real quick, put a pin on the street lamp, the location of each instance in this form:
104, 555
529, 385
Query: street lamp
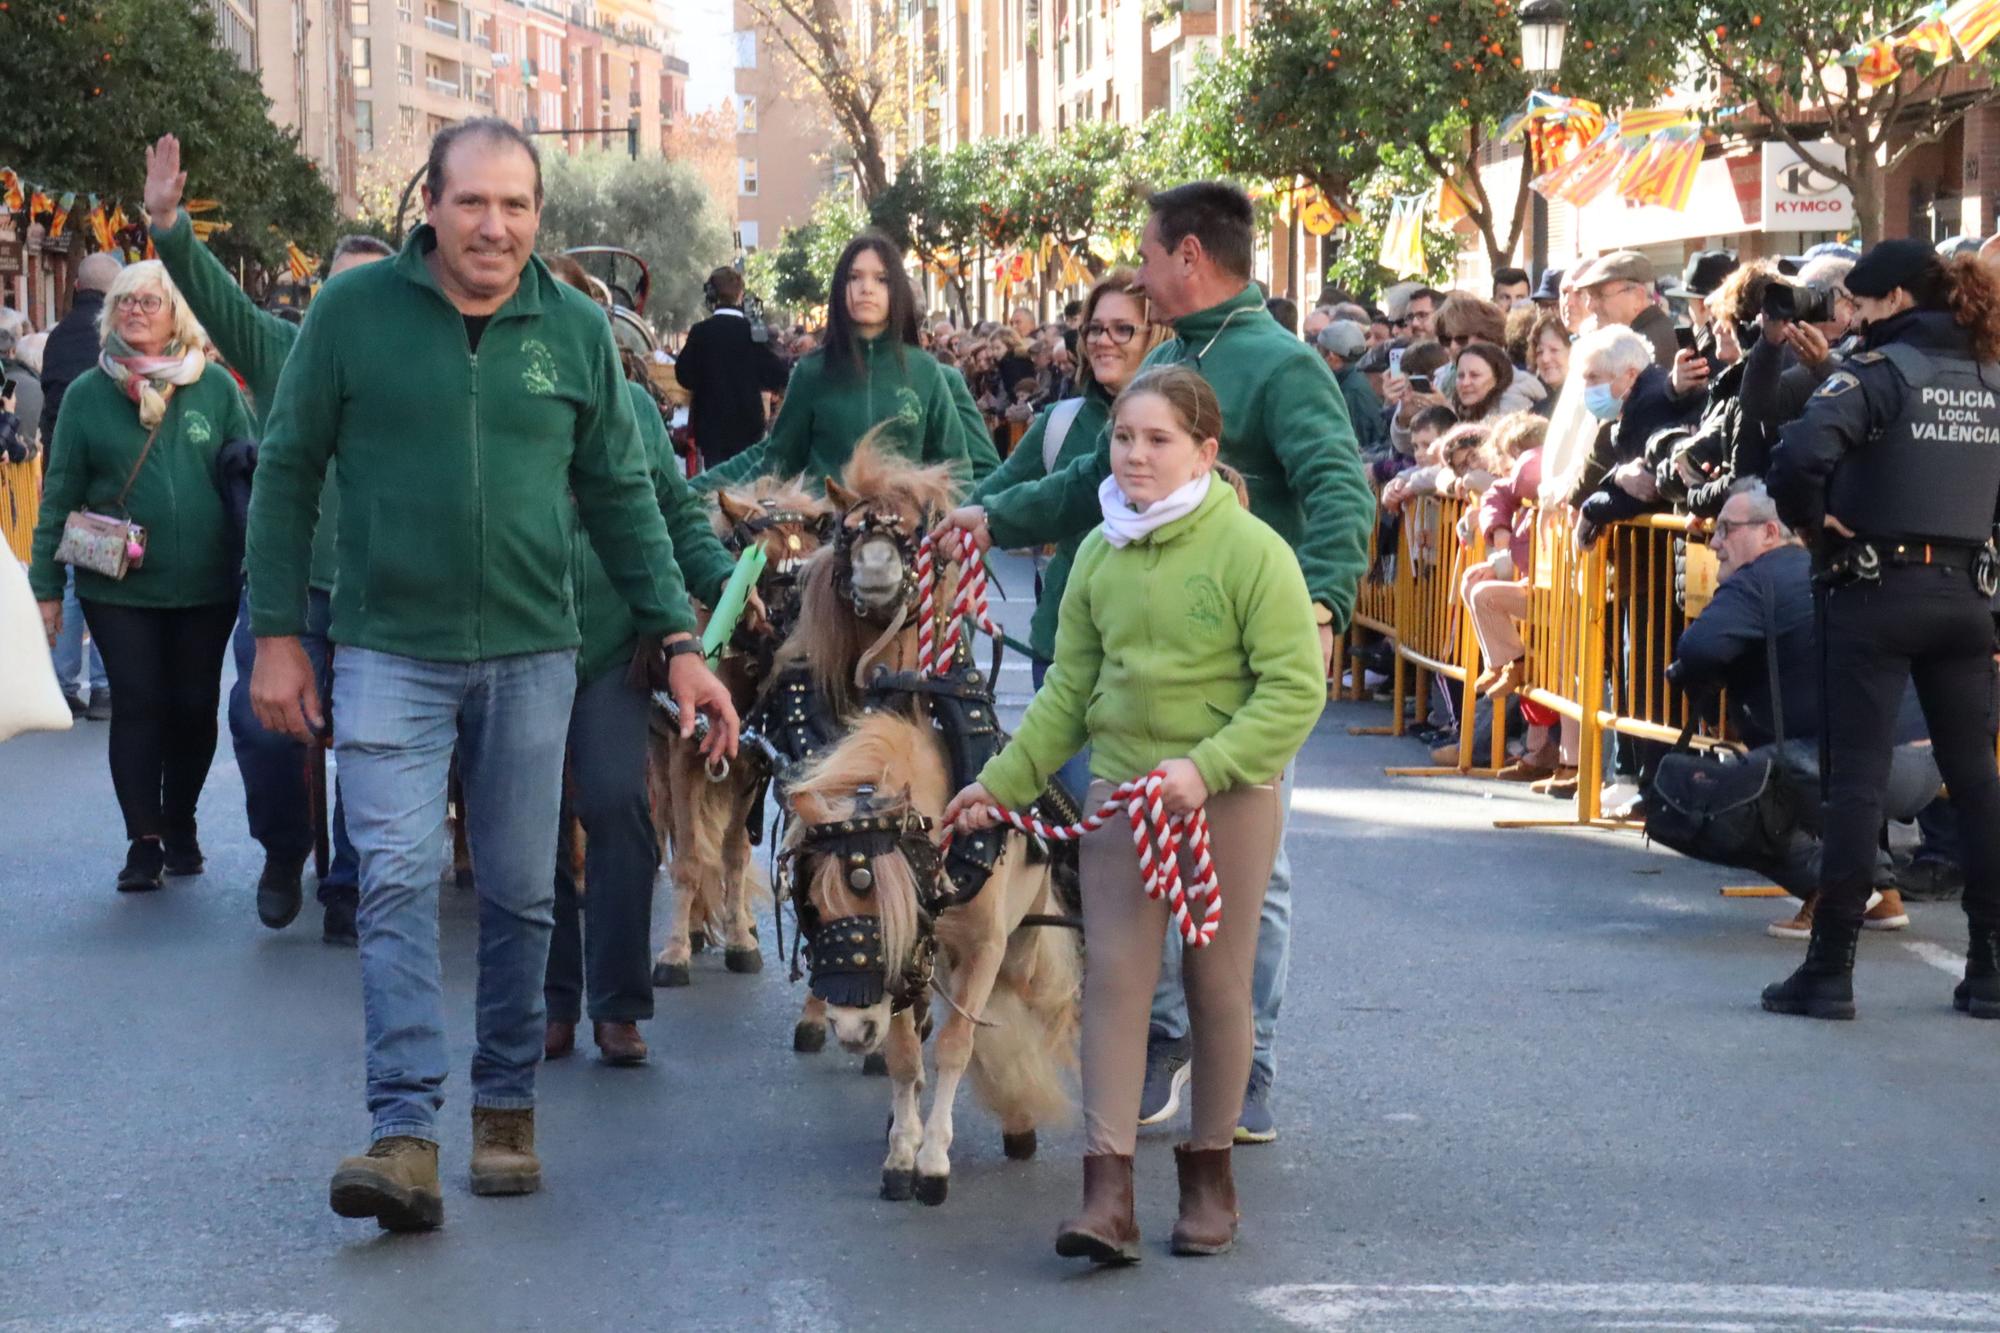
1544, 24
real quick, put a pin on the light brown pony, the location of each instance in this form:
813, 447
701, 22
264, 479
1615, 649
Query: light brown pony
857, 610
717, 885
1013, 995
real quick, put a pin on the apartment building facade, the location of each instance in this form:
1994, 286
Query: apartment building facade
786, 150
300, 51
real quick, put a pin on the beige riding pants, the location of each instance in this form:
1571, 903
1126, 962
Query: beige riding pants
1123, 931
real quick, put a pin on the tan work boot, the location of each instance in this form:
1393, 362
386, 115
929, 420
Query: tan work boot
1106, 1231
1207, 1223
1798, 927
1885, 911
503, 1151
395, 1182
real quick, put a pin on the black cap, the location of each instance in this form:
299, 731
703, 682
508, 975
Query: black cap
1551, 287
1704, 273
1911, 265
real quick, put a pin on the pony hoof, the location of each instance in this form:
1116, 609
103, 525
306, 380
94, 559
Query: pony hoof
931, 1189
876, 1064
1018, 1147
671, 974
809, 1039
898, 1186
748, 959
697, 941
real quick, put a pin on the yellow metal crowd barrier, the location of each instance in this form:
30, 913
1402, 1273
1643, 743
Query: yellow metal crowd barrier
20, 502
1600, 627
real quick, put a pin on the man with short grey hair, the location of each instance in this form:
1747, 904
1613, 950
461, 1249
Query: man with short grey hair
1340, 345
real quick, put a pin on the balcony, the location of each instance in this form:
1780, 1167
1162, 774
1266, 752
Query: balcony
442, 87
445, 26
675, 65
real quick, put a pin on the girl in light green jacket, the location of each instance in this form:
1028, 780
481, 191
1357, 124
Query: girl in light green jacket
1186, 643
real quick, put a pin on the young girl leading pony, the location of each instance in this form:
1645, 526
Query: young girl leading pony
1186, 644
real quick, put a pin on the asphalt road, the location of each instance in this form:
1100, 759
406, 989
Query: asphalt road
1525, 1084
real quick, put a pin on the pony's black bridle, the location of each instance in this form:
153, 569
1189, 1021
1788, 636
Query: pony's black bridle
778, 588
888, 527
844, 955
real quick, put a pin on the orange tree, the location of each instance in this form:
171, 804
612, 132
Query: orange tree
1782, 59
1329, 89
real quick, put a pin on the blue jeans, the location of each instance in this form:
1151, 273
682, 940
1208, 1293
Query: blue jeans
400, 719
69, 646
1075, 774
1274, 958
275, 799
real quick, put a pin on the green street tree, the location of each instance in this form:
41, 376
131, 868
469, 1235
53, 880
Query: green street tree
89, 83
1328, 87
1782, 57
932, 210
658, 209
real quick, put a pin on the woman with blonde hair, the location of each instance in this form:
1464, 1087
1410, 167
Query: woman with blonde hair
137, 440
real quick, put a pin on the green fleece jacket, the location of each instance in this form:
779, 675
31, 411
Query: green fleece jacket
456, 470
254, 342
1364, 410
1195, 641
174, 497
609, 632
1284, 427
828, 408
1025, 464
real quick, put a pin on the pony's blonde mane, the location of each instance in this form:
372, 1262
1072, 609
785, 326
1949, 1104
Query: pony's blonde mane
877, 473
829, 638
883, 749
777, 492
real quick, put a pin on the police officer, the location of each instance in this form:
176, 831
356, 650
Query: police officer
1896, 464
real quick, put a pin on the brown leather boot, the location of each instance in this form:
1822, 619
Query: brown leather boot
619, 1043
503, 1151
1208, 1201
559, 1040
1105, 1232
395, 1182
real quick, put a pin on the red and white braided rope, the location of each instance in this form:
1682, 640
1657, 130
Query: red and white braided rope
934, 654
1157, 837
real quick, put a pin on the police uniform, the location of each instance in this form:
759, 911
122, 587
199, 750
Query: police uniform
1902, 445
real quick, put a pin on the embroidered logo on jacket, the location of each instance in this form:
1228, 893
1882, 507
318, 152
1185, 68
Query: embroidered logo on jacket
1206, 607
197, 428
539, 376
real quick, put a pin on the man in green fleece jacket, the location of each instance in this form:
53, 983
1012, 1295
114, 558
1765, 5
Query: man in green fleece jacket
255, 344
467, 394
1285, 429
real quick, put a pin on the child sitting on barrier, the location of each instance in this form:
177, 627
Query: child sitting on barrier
1186, 646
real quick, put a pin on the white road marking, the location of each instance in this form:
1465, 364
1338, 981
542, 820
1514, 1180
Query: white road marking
803, 1305
1939, 957
1652, 1305
186, 1321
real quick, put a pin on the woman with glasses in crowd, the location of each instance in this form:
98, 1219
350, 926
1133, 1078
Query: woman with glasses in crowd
1114, 338
137, 439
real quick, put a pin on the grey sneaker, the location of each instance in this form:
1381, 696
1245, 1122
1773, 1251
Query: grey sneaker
1255, 1124
1167, 1072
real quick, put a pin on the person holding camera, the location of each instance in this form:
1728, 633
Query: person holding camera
727, 365
1806, 331
1893, 468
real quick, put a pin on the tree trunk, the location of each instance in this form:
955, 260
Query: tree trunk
1870, 202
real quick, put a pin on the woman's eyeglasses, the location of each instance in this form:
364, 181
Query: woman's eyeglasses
150, 303
1119, 333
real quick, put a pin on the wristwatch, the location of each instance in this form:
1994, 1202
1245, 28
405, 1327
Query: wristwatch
1322, 614
680, 648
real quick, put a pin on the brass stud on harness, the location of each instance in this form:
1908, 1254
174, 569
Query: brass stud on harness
861, 880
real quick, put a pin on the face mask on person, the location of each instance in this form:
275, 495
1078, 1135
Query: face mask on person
1600, 402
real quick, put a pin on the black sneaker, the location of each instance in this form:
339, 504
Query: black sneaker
1167, 1073
183, 854
337, 926
278, 891
1255, 1124
99, 707
1930, 879
77, 708
143, 863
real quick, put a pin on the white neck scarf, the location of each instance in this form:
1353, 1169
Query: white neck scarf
1123, 525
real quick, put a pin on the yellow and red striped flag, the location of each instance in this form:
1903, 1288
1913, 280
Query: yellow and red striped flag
1973, 24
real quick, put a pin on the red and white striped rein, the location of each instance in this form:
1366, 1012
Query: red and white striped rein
934, 654
1157, 837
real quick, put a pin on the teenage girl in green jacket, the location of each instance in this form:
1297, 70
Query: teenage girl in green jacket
1186, 644
869, 372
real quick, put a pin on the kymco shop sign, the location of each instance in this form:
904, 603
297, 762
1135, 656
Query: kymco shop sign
1798, 196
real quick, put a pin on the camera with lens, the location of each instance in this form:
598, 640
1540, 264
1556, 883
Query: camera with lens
1799, 302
